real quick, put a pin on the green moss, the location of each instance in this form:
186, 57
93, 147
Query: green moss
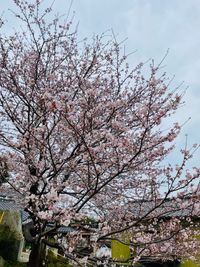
188, 263
57, 261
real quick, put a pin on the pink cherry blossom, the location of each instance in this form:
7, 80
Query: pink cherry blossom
83, 144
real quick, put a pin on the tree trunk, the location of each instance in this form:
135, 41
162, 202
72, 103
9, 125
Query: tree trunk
37, 255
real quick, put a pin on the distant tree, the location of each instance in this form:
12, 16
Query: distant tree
82, 137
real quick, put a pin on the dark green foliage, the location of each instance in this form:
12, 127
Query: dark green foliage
15, 264
9, 243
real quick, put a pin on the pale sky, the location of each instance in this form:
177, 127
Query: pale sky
151, 26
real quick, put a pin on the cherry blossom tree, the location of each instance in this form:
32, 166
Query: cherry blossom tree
82, 137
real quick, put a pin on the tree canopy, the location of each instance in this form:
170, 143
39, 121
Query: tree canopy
81, 137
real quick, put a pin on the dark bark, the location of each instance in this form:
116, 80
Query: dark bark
37, 255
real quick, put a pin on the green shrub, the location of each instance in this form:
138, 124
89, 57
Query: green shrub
9, 243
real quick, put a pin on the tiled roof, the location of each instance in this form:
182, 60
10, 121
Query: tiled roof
25, 217
8, 204
169, 208
62, 229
